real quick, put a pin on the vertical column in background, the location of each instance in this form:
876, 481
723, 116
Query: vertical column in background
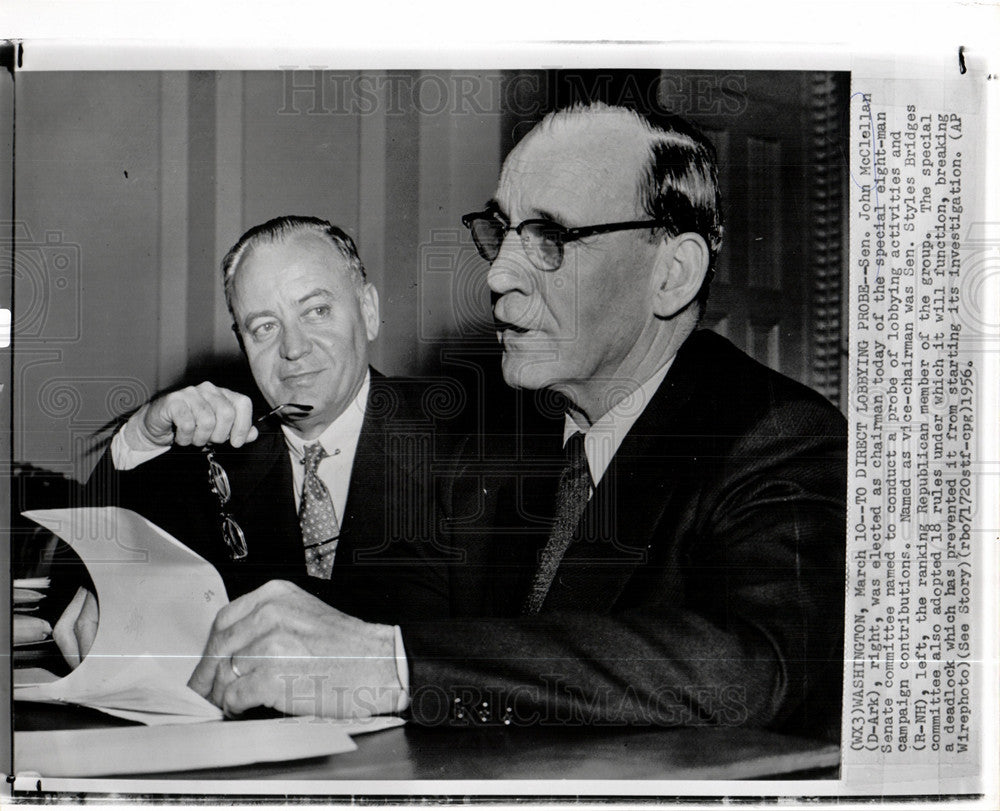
201, 205
174, 131
201, 214
827, 184
228, 194
373, 232
440, 149
460, 120
399, 279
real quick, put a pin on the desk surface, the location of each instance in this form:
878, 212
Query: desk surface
516, 753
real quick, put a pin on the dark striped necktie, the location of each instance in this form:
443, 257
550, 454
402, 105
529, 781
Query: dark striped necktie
571, 500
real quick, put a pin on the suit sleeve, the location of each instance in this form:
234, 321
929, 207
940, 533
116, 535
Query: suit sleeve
754, 637
162, 489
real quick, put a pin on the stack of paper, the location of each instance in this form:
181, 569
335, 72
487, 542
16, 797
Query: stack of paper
157, 602
28, 629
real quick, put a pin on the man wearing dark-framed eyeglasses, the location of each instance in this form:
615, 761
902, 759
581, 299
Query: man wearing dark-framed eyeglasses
675, 554
543, 240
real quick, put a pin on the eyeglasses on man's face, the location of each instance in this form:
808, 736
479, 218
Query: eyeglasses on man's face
543, 240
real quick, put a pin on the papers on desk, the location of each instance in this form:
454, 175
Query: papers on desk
150, 750
28, 591
157, 601
28, 630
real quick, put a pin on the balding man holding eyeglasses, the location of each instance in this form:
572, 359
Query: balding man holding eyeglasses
329, 488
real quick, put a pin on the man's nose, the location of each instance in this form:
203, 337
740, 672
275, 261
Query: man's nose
511, 270
294, 343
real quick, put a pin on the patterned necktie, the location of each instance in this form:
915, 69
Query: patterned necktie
571, 499
317, 518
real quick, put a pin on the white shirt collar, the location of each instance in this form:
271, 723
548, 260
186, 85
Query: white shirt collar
602, 440
341, 434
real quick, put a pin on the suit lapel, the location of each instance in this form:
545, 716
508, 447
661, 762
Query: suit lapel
384, 502
617, 533
252, 464
364, 512
260, 477
502, 502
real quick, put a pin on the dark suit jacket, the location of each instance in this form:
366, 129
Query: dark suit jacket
384, 568
705, 584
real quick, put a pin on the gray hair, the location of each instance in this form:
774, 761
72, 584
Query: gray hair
680, 184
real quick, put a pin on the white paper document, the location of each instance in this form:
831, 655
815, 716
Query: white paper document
157, 600
150, 750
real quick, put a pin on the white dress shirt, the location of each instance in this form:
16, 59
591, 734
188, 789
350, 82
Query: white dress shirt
340, 441
602, 439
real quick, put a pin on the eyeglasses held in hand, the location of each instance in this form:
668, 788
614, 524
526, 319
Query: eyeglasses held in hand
542, 240
232, 533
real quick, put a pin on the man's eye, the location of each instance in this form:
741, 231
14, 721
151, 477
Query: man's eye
319, 311
541, 232
552, 232
262, 331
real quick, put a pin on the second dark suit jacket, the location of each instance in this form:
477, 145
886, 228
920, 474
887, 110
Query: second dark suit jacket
705, 583
384, 567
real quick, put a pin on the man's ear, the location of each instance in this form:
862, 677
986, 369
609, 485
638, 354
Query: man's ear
369, 310
681, 265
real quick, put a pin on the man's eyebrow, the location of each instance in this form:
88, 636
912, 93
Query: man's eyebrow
319, 291
250, 317
544, 214
535, 213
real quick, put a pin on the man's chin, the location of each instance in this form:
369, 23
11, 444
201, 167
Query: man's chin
307, 427
521, 373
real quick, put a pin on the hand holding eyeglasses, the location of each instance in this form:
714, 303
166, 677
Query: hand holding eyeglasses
198, 415
232, 532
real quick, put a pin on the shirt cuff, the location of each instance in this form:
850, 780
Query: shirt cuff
402, 671
129, 448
